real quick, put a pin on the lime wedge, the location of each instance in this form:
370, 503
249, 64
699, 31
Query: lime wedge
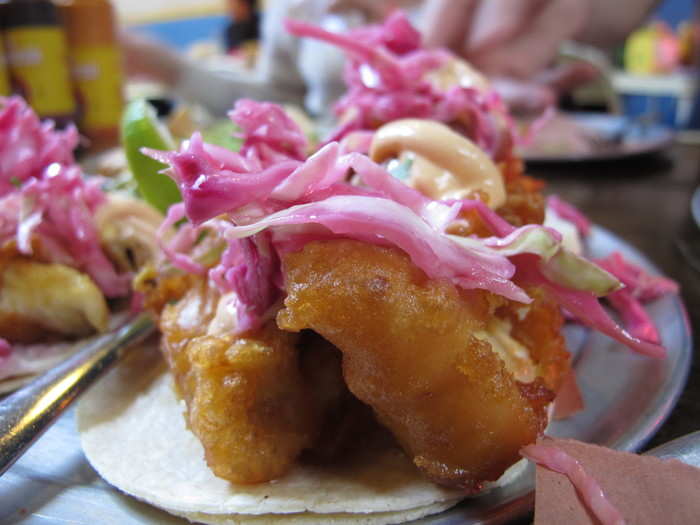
222, 133
140, 128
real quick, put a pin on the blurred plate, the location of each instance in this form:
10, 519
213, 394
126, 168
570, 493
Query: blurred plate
627, 397
608, 138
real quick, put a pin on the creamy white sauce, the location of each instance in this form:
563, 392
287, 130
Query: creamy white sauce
513, 353
570, 235
224, 321
446, 165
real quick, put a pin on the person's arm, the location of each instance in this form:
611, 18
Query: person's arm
611, 22
275, 79
520, 38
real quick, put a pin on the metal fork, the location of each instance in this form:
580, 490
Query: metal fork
26, 414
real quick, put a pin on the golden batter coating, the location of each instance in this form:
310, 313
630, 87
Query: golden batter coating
246, 398
409, 351
348, 426
40, 302
525, 203
540, 330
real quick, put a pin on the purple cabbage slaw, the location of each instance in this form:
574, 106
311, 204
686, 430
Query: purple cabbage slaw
569, 213
640, 287
269, 134
385, 80
264, 211
28, 146
45, 202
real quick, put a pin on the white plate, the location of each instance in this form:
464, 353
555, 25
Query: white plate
627, 398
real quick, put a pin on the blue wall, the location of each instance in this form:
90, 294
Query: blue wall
183, 33
675, 11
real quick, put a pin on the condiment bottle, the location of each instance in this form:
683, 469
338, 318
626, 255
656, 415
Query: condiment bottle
4, 76
96, 68
38, 59
243, 33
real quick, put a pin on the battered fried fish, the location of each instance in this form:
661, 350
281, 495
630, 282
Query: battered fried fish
411, 352
257, 401
348, 425
40, 300
246, 398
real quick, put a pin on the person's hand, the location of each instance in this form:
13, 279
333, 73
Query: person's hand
542, 91
373, 10
147, 58
505, 38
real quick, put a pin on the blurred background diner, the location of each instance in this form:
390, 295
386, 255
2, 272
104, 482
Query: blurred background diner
611, 88
631, 62
633, 58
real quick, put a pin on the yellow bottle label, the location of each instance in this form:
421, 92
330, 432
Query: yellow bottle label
98, 79
4, 78
38, 63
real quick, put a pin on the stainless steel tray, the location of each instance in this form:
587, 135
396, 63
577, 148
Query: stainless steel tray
627, 399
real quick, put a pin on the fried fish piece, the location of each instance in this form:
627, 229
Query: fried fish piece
410, 352
525, 203
128, 232
40, 301
247, 401
348, 425
539, 329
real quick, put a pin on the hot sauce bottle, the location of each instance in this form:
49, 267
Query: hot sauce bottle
96, 68
4, 76
37, 58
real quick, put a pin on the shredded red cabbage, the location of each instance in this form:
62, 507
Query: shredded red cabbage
5, 350
57, 211
269, 134
396, 34
177, 249
282, 207
385, 79
638, 282
584, 307
28, 146
570, 213
384, 221
211, 186
45, 203
640, 287
250, 267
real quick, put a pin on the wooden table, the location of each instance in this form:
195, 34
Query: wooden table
647, 203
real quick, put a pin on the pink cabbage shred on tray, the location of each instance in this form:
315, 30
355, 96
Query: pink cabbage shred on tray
640, 287
556, 459
45, 202
569, 212
265, 209
385, 79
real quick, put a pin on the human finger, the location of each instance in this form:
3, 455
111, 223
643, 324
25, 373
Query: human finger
372, 9
567, 77
533, 50
523, 97
446, 22
497, 21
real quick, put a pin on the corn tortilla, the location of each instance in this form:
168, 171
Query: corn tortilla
133, 432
